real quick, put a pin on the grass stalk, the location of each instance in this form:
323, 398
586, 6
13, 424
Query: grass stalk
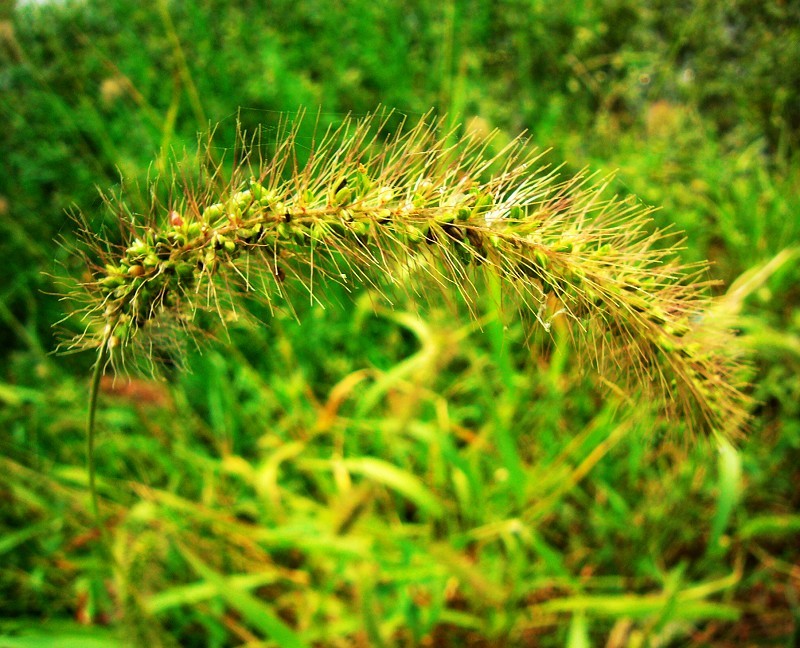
91, 460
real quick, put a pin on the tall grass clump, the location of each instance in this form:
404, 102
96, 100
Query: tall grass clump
413, 208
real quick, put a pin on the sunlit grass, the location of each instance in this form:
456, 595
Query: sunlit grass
414, 475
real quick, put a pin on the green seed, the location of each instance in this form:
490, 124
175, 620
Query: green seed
122, 291
256, 190
483, 203
137, 249
360, 228
111, 281
213, 212
300, 233
284, 230
184, 269
210, 259
242, 199
676, 329
268, 198
563, 246
176, 238
385, 195
592, 297
414, 234
605, 250
363, 183
666, 344
343, 196
318, 231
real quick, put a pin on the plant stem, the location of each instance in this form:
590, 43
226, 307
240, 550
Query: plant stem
94, 392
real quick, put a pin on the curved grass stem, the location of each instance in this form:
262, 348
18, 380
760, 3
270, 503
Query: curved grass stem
91, 426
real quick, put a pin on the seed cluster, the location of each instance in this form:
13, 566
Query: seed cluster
365, 204
170, 261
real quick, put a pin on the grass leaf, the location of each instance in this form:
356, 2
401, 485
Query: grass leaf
255, 611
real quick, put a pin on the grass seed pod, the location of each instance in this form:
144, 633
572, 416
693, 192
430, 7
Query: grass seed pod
362, 205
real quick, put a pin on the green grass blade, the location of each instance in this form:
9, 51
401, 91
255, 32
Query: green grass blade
773, 526
255, 611
57, 634
730, 486
578, 636
403, 482
640, 607
196, 592
12, 540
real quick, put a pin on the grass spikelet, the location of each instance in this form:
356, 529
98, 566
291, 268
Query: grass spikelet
361, 203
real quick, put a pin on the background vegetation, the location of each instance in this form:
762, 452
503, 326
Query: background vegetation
399, 477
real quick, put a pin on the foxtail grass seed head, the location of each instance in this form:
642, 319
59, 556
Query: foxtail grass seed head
367, 204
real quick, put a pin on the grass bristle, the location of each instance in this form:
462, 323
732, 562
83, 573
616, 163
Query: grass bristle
366, 203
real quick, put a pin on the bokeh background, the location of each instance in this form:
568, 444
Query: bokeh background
392, 477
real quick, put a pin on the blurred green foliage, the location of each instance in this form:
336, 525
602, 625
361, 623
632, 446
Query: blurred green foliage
395, 478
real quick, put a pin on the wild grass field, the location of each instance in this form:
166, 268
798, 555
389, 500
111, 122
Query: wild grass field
399, 466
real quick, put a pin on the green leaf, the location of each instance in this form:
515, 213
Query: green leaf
11, 540
638, 607
403, 482
730, 487
56, 634
578, 636
253, 610
195, 592
771, 525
